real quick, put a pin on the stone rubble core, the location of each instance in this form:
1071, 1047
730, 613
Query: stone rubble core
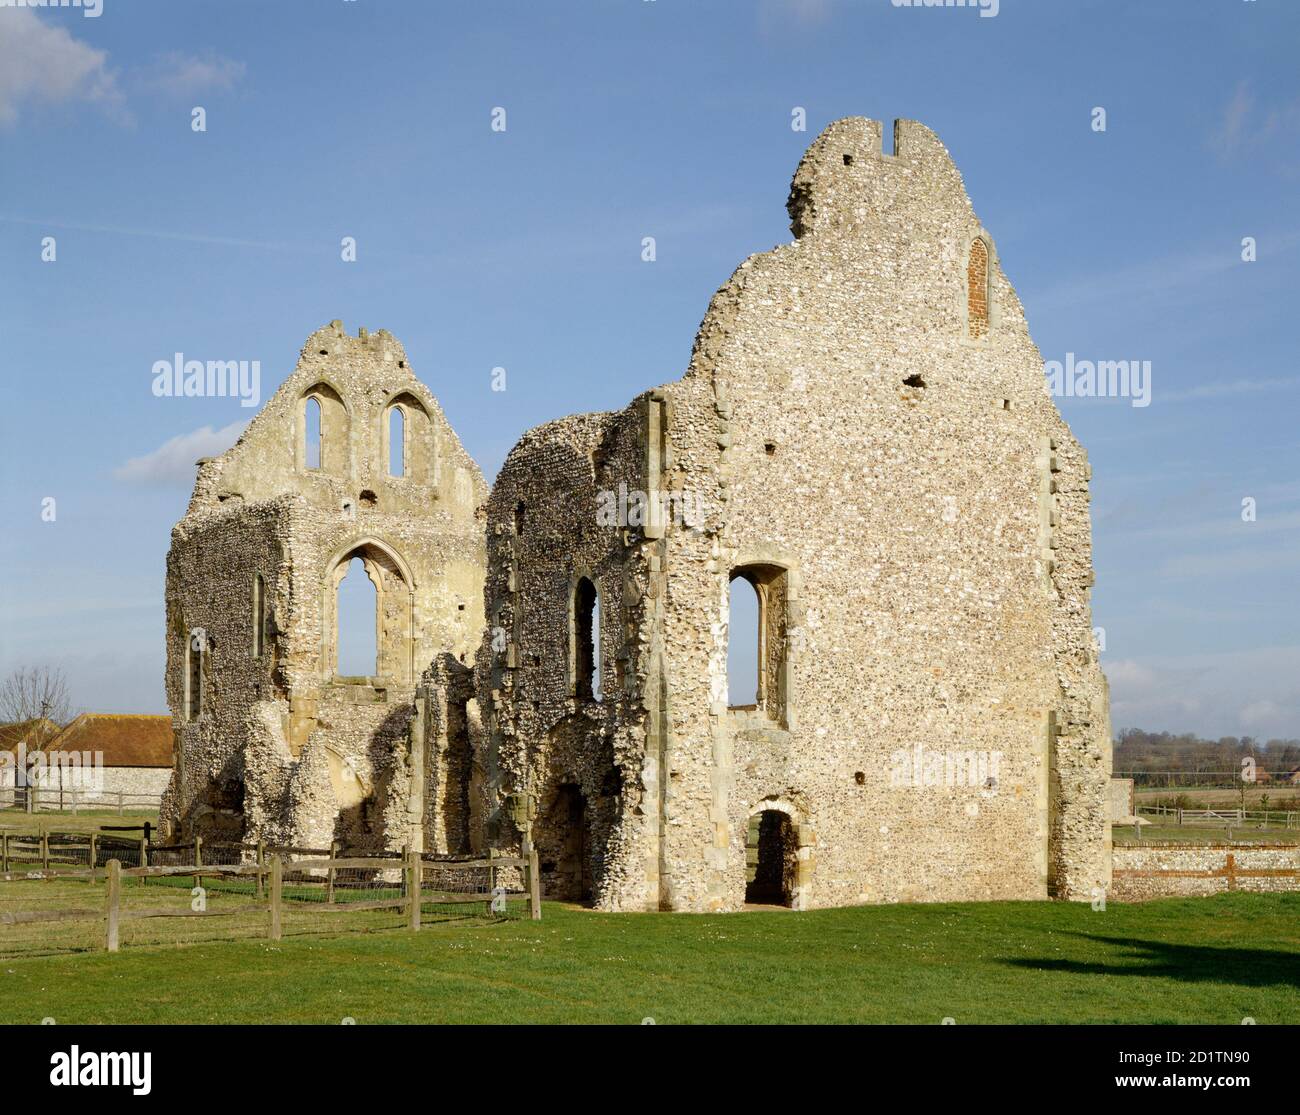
864, 435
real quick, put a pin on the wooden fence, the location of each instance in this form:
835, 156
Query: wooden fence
47, 849
269, 877
1222, 818
34, 799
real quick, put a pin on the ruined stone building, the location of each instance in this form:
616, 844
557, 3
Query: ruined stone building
351, 458
863, 441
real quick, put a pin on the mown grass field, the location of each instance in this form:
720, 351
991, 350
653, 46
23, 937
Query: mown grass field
1213, 960
83, 820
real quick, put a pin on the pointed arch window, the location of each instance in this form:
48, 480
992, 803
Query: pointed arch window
396, 441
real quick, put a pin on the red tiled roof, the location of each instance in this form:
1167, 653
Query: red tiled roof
124, 739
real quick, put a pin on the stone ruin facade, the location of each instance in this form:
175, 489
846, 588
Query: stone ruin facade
271, 742
863, 440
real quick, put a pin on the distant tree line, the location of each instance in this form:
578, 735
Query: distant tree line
1168, 759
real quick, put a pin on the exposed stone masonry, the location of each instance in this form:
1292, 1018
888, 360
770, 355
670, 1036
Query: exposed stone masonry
863, 434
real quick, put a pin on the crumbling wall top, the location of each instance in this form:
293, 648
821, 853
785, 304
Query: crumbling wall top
846, 176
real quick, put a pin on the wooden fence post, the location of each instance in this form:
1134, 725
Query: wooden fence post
45, 849
336, 851
198, 858
277, 882
4, 851
261, 862
406, 855
114, 901
415, 867
93, 843
119, 803
534, 885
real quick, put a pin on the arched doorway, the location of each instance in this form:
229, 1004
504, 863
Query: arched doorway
771, 859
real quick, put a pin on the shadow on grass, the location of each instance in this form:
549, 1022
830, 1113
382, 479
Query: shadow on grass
1188, 963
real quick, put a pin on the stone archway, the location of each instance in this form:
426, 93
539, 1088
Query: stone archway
778, 856
394, 609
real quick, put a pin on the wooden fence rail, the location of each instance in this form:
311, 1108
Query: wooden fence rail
413, 897
1223, 817
34, 799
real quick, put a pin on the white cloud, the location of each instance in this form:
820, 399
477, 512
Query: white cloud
184, 74
777, 15
173, 461
39, 61
1243, 128
1253, 692
1223, 388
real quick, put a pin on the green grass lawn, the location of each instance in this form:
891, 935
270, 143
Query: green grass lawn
84, 820
1213, 960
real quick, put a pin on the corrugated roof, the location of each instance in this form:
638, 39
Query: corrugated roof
124, 739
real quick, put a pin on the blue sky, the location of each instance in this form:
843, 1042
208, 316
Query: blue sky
522, 249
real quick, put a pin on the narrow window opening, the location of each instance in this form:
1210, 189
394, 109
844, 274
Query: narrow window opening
193, 675
769, 448
586, 640
914, 381
848, 160
396, 442
521, 509
756, 647
259, 615
357, 633
313, 443
742, 644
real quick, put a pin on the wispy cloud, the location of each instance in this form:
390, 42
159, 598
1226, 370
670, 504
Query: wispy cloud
179, 74
1160, 278
1229, 387
164, 234
43, 62
1243, 128
775, 16
1230, 692
173, 461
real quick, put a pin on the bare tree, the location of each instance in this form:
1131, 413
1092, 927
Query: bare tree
33, 693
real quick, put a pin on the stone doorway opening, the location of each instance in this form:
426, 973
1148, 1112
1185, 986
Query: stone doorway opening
771, 859
566, 872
